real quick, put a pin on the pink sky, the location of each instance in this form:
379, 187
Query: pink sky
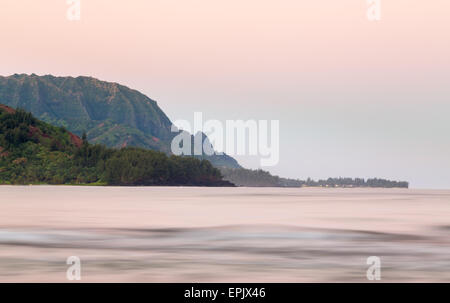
318, 66
225, 39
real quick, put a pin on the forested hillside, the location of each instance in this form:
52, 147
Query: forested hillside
109, 113
34, 152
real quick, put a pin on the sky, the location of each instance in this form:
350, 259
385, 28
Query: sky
355, 98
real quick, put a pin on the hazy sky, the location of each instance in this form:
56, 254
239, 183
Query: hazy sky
354, 98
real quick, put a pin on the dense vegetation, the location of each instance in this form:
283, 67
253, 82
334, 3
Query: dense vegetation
357, 182
261, 178
33, 152
110, 113
256, 178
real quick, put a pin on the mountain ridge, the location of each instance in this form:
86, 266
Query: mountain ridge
109, 113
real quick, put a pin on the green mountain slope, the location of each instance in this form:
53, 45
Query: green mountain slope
32, 151
110, 113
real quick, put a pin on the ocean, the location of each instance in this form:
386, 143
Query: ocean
193, 234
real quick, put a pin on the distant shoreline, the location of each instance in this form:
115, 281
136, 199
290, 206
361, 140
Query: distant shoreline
204, 186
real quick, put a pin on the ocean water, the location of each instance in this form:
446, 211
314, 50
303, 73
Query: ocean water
191, 234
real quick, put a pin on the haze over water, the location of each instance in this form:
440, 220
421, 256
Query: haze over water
156, 234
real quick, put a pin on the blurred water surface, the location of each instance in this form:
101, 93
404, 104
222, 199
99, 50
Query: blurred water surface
165, 234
